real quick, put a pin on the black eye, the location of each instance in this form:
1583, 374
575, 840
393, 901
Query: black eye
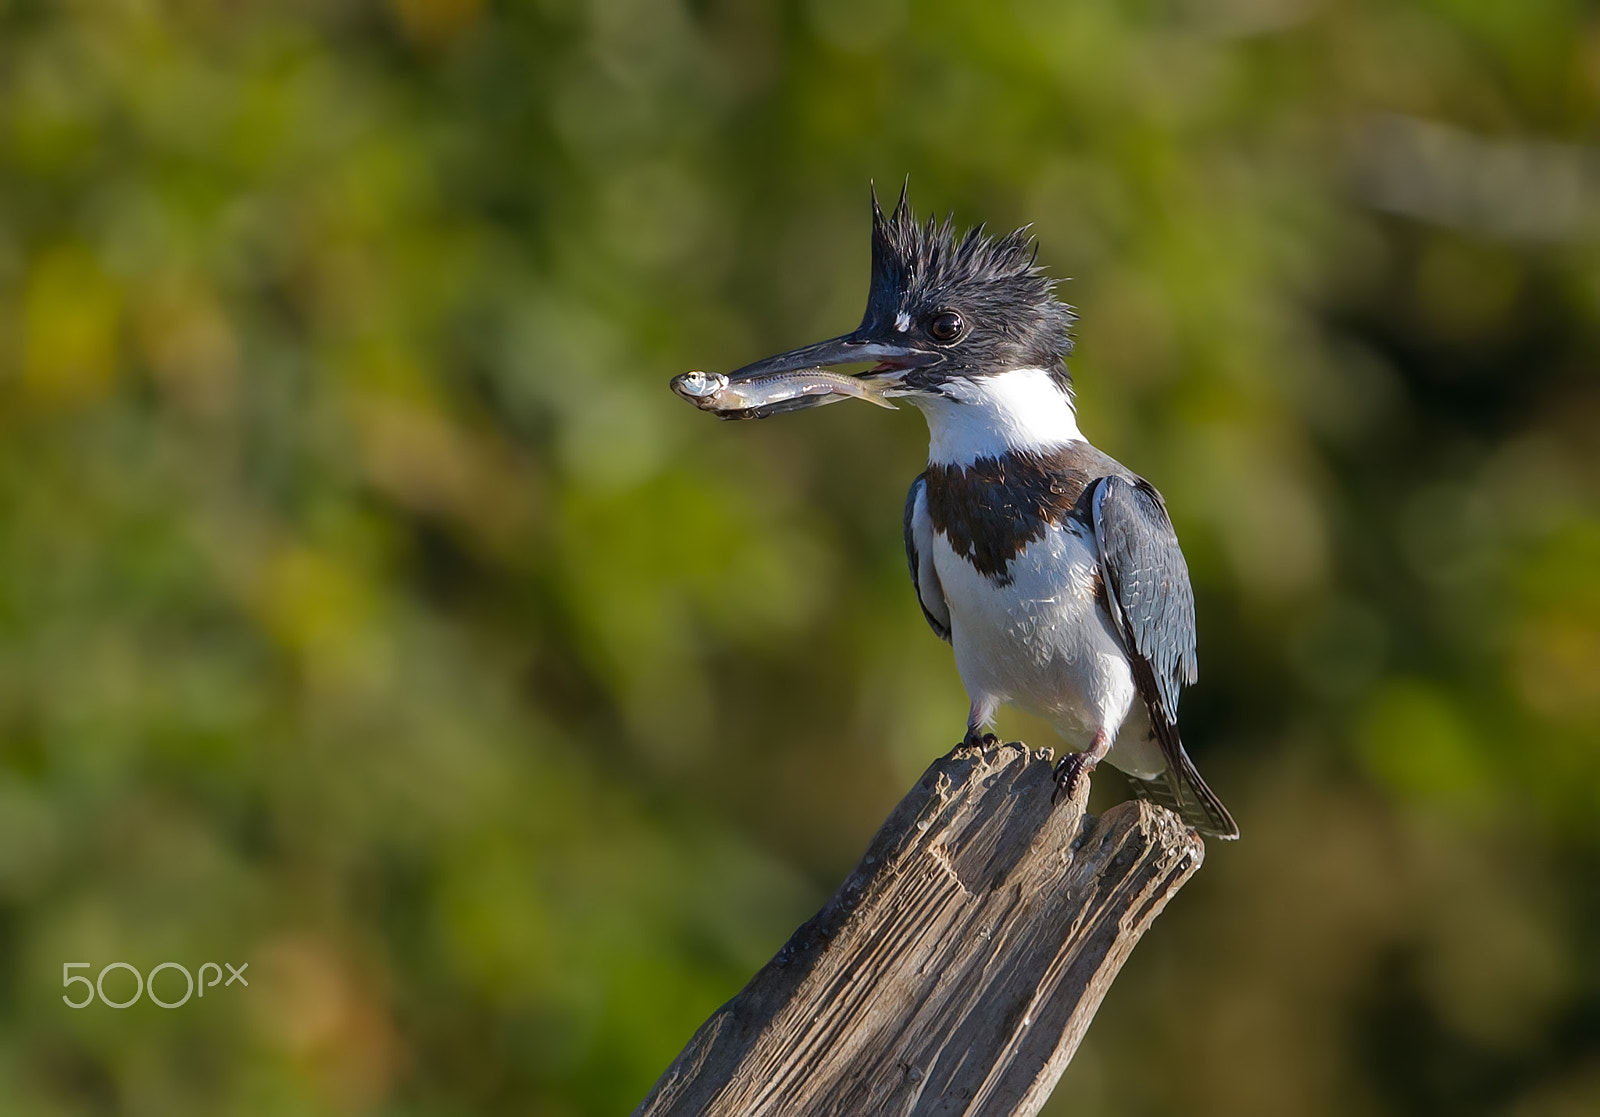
946, 326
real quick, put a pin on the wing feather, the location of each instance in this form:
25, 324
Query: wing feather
919, 557
1150, 596
1152, 605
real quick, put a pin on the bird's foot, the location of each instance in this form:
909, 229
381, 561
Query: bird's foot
1073, 767
976, 740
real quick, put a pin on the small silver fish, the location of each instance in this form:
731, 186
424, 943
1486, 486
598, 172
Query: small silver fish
776, 392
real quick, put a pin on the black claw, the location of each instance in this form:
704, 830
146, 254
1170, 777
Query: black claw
975, 740
1073, 767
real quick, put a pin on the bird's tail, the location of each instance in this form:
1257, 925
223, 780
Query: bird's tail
1183, 790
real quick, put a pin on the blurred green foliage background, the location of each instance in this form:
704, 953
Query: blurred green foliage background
371, 613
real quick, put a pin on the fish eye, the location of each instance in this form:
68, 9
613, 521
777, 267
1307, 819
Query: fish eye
946, 326
697, 383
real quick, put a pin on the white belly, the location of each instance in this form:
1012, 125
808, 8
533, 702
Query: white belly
1045, 644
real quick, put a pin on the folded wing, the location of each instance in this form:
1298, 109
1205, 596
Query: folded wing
1152, 605
919, 556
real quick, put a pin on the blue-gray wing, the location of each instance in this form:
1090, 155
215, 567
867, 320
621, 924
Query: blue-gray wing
919, 556
1152, 605
1147, 584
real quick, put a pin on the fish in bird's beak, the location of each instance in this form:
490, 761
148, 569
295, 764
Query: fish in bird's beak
892, 360
772, 393
802, 378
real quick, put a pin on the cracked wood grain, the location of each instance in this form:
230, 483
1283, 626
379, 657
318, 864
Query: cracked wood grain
958, 966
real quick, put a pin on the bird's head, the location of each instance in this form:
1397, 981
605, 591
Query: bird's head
945, 310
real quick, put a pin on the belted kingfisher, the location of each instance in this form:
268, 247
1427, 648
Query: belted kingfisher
1052, 570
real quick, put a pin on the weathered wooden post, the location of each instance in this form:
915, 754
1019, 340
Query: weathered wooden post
959, 965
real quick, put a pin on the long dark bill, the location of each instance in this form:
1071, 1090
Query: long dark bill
849, 349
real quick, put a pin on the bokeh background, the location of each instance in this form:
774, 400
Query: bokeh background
371, 613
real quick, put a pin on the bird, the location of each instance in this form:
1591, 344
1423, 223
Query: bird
1052, 570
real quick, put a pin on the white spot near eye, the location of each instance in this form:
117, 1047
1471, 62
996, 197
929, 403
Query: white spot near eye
902, 321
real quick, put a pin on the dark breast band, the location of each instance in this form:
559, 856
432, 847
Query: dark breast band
991, 510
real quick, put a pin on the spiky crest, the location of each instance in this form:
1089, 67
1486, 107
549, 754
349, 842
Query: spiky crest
916, 267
